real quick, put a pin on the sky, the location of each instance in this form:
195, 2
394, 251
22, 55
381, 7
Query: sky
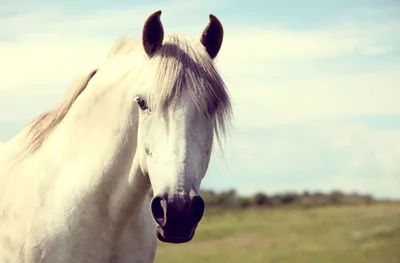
315, 85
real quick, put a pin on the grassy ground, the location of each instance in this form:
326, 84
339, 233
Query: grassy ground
346, 234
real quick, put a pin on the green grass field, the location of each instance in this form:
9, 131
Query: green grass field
341, 234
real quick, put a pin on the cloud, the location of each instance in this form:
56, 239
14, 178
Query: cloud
282, 44
70, 43
303, 75
309, 96
323, 156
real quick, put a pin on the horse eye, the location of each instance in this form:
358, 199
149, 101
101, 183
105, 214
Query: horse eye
142, 104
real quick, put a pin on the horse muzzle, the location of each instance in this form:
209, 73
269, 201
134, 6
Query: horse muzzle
177, 218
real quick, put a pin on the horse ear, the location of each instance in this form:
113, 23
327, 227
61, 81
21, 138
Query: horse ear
212, 36
153, 33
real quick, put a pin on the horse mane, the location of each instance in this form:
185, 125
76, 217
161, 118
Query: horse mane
179, 63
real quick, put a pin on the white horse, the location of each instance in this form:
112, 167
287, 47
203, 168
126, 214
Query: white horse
74, 184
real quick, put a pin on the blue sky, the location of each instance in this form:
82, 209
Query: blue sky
314, 84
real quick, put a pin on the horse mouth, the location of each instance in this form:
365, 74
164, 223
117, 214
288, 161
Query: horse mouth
173, 240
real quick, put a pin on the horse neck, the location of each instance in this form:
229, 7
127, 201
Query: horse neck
94, 149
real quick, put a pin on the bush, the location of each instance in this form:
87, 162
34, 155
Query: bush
261, 199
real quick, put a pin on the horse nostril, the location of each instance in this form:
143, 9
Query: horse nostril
158, 211
197, 208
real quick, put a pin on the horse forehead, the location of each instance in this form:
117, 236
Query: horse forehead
184, 106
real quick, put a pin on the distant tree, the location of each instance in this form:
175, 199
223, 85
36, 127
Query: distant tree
336, 197
227, 199
368, 199
230, 199
276, 200
260, 199
289, 198
244, 202
210, 198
